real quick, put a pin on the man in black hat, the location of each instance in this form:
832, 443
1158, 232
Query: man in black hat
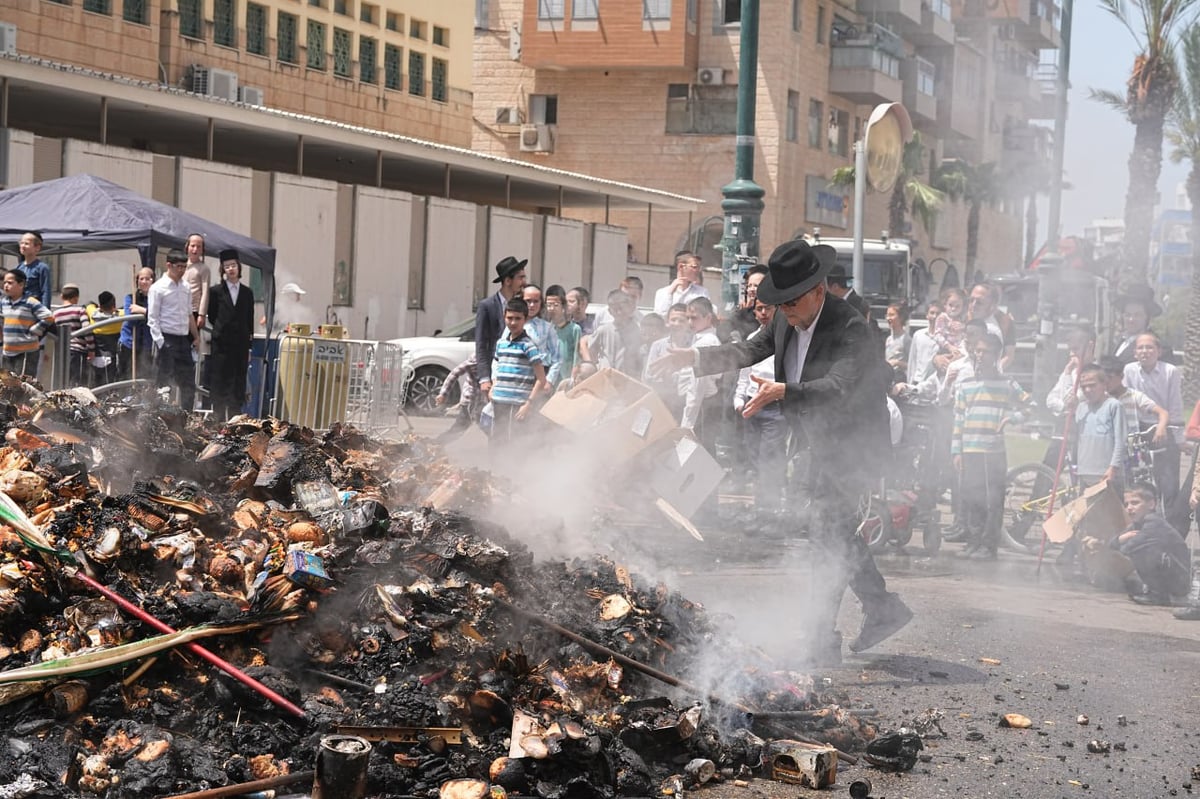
839, 286
231, 314
831, 382
489, 317
1136, 308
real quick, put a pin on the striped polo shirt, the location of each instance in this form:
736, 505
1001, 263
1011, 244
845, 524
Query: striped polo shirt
25, 320
980, 405
512, 369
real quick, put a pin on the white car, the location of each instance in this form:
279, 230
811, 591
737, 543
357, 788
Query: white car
433, 357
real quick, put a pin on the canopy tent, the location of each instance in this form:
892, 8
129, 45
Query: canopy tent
84, 213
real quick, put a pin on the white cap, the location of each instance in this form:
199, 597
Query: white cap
292, 288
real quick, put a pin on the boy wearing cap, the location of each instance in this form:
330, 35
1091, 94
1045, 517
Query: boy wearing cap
231, 315
173, 329
69, 317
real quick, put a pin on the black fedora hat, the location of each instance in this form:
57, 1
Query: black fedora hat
1142, 294
795, 268
508, 267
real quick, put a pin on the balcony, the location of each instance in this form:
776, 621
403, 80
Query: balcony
960, 94
903, 15
1047, 82
585, 34
1015, 78
1026, 147
937, 26
1041, 26
920, 99
864, 65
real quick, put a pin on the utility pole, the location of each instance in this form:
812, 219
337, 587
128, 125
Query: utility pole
742, 203
1063, 82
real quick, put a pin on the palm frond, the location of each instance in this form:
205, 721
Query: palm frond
1114, 100
1116, 9
925, 202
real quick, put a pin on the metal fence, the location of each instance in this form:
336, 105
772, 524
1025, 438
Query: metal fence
320, 381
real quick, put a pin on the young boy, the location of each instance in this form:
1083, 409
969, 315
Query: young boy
983, 407
1099, 432
68, 318
1159, 554
518, 375
569, 335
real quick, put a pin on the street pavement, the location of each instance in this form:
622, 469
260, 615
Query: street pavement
989, 638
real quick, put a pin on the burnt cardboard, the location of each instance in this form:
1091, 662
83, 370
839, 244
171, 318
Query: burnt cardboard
613, 415
1099, 512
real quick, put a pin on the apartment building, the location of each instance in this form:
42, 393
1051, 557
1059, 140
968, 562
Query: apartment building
646, 90
402, 66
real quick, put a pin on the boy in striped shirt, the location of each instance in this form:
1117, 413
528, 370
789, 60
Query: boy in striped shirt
518, 374
26, 321
69, 317
983, 406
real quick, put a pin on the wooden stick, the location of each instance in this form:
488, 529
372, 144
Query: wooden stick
248, 787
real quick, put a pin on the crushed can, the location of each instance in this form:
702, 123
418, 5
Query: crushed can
306, 569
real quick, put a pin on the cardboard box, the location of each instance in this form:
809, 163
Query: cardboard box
683, 472
1099, 512
804, 764
615, 416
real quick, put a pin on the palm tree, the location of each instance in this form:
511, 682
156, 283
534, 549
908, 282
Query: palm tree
974, 185
1183, 134
909, 193
1149, 95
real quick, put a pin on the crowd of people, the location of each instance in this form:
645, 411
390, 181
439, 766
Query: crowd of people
1124, 406
162, 344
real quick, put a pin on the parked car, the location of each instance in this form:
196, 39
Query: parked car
433, 357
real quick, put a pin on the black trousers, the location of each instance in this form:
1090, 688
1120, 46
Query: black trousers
227, 366
24, 364
176, 368
983, 476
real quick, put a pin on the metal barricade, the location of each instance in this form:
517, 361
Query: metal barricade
322, 381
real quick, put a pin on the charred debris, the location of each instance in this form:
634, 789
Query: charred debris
343, 604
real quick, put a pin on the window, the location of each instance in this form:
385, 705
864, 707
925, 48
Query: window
416, 29
543, 109
926, 77
816, 118
796, 14
368, 13
792, 130
135, 11
341, 53
395, 22
191, 21
224, 23
441, 36
317, 3
693, 10
481, 15
838, 132
550, 9
285, 37
367, 48
701, 110
439, 71
391, 67
97, 6
314, 44
820, 24
732, 12
256, 29
342, 7
416, 73
656, 9
585, 9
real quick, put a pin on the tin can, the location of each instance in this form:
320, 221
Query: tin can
860, 788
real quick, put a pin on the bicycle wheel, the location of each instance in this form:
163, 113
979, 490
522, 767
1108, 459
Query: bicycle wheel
1023, 485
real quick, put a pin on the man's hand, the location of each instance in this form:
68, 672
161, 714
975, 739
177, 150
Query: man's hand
676, 358
1072, 364
486, 388
679, 284
440, 400
200, 320
940, 362
768, 391
523, 411
1160, 434
1110, 474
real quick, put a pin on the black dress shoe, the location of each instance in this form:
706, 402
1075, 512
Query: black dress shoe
882, 624
983, 553
1191, 613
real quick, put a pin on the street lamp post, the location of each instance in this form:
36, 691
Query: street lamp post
742, 203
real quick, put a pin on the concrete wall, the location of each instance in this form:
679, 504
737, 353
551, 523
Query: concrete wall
19, 158
417, 264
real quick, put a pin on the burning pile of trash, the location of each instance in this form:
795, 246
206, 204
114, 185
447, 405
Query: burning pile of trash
185, 606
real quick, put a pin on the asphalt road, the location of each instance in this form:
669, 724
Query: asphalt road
1054, 651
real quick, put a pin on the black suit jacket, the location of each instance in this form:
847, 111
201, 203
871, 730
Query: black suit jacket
839, 402
489, 326
859, 304
232, 324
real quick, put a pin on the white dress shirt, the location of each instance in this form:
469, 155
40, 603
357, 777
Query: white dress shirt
233, 287
168, 309
698, 388
764, 369
797, 349
664, 298
1161, 384
920, 356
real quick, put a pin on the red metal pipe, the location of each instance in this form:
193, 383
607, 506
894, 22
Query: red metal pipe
220, 663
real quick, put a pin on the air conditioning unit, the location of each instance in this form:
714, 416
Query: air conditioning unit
710, 76
508, 115
538, 138
8, 38
251, 95
215, 83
